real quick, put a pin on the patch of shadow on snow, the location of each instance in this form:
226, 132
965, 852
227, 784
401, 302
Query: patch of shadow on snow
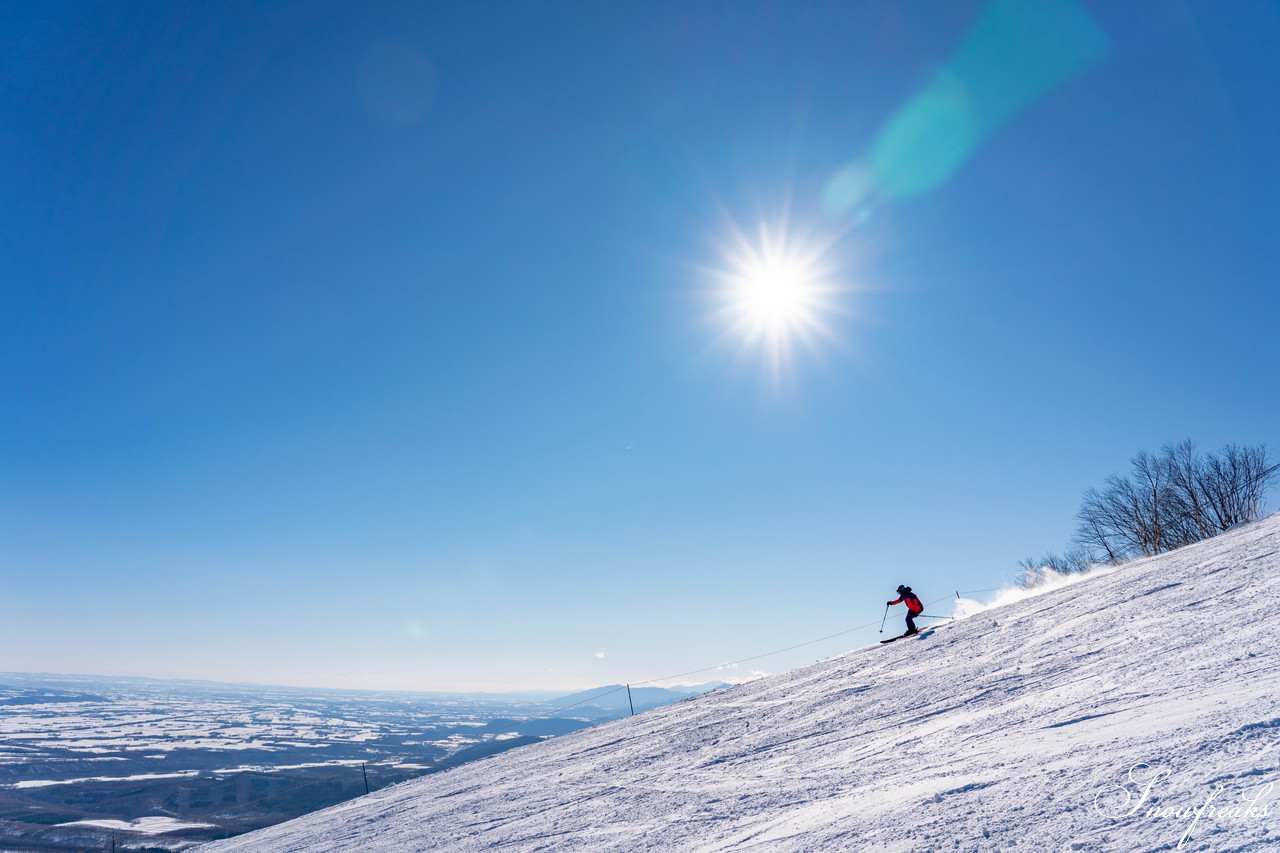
1158, 589
972, 786
1253, 771
1262, 724
1250, 740
460, 791
1079, 720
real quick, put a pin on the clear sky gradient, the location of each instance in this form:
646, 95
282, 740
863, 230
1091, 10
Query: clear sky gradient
382, 345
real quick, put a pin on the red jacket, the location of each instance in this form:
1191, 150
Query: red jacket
913, 603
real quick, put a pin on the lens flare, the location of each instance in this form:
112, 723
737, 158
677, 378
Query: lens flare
775, 292
1016, 53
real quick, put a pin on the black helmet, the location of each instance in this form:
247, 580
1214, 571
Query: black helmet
902, 588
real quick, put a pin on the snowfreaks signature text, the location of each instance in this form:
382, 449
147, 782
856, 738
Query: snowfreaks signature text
1126, 800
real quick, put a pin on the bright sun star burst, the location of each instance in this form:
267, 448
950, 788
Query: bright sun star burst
774, 292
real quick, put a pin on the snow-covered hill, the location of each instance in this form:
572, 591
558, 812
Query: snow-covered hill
1023, 727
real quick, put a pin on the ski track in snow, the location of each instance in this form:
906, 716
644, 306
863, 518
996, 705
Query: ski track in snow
995, 732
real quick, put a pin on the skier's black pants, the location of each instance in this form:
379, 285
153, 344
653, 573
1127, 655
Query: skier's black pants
911, 620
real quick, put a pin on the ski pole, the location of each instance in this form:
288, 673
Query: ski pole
886, 616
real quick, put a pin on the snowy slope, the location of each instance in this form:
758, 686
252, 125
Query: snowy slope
995, 732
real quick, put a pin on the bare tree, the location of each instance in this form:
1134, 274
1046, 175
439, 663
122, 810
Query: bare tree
1187, 478
1130, 516
1166, 501
1173, 499
1097, 532
1236, 482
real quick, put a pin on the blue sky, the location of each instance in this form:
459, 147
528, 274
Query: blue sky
379, 344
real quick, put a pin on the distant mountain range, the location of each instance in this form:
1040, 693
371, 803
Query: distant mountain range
613, 697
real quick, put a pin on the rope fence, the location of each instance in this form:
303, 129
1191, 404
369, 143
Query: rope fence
514, 723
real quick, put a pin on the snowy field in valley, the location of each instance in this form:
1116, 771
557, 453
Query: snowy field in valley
1057, 722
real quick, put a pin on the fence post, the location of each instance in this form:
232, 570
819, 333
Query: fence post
365, 773
629, 702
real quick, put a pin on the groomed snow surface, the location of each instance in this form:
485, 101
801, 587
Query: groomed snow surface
1023, 727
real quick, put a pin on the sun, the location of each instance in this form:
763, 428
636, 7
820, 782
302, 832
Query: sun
776, 290
776, 294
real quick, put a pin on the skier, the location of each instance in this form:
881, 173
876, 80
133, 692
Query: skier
914, 607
